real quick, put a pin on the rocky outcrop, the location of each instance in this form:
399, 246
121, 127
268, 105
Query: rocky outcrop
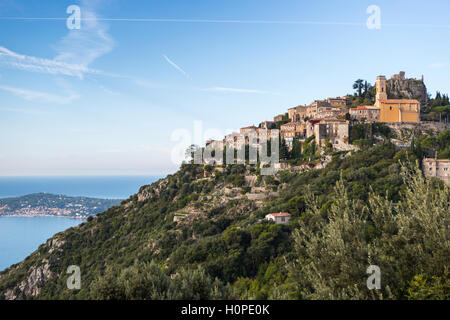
153, 190
405, 132
55, 244
402, 130
37, 277
398, 87
251, 180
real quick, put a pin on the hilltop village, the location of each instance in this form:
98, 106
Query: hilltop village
397, 104
330, 119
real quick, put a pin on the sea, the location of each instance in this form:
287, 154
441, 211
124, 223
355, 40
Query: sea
20, 236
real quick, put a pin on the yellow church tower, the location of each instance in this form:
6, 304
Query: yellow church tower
381, 89
395, 110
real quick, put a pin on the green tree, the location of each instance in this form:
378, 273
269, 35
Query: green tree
335, 249
358, 85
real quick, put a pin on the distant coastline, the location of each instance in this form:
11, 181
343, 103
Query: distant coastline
101, 187
42, 216
52, 205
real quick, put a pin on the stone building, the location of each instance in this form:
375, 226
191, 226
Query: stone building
324, 110
297, 114
334, 131
279, 218
338, 102
278, 118
310, 126
365, 113
317, 107
248, 129
292, 130
237, 140
439, 168
261, 132
215, 144
331, 108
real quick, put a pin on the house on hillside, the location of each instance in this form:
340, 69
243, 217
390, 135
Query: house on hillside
279, 218
338, 102
439, 168
365, 113
248, 129
334, 131
291, 130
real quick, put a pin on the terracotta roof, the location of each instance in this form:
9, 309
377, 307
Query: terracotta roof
399, 101
281, 214
249, 127
365, 108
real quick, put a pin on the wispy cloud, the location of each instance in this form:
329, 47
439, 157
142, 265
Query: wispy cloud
173, 64
22, 110
238, 90
87, 44
37, 96
42, 65
75, 52
147, 84
109, 91
439, 65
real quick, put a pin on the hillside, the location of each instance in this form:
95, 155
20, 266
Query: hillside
200, 233
39, 204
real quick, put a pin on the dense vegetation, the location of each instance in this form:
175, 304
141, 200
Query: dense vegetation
437, 109
363, 208
364, 95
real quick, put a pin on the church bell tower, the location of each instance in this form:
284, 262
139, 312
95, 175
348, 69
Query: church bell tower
381, 88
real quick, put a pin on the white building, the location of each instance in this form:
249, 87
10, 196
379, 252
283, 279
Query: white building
279, 218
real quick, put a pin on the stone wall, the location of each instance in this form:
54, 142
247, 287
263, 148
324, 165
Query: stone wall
405, 131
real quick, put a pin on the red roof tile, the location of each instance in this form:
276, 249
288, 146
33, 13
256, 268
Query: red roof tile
393, 101
281, 214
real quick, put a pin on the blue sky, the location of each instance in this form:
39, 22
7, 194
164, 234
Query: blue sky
106, 99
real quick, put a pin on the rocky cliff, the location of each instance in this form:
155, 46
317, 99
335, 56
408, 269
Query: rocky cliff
398, 87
